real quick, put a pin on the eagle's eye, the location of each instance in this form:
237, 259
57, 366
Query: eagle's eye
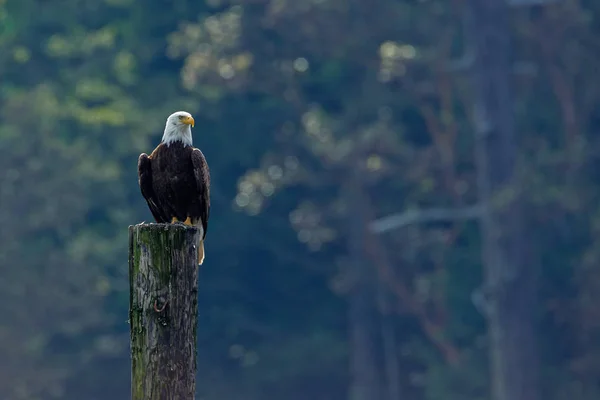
181, 116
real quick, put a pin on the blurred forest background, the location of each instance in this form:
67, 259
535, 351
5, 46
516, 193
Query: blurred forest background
405, 202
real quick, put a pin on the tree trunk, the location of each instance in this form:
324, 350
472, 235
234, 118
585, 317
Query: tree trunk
510, 282
390, 349
362, 314
163, 311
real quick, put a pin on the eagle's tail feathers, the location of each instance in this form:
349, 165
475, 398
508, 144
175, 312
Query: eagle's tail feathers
201, 252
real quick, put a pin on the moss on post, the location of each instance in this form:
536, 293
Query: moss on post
163, 310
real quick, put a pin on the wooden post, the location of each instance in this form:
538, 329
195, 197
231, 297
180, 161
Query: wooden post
163, 311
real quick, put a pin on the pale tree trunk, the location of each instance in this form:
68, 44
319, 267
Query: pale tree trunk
510, 280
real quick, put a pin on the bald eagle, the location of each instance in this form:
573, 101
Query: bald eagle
174, 179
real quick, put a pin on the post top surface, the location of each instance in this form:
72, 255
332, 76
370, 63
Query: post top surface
165, 227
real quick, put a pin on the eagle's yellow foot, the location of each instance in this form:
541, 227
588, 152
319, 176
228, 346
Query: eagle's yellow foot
188, 221
175, 221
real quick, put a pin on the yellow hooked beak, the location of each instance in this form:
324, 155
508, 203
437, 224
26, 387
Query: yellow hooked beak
188, 121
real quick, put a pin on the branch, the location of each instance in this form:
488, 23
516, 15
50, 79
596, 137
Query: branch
397, 221
433, 329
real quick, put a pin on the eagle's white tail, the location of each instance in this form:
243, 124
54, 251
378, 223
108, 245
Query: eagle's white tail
201, 252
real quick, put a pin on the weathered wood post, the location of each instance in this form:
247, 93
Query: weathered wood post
163, 311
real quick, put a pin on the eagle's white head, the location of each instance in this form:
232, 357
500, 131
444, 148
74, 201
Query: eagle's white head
179, 128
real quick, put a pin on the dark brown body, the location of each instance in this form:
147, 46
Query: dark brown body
175, 182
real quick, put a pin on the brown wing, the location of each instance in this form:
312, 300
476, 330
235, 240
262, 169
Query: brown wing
202, 175
145, 182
